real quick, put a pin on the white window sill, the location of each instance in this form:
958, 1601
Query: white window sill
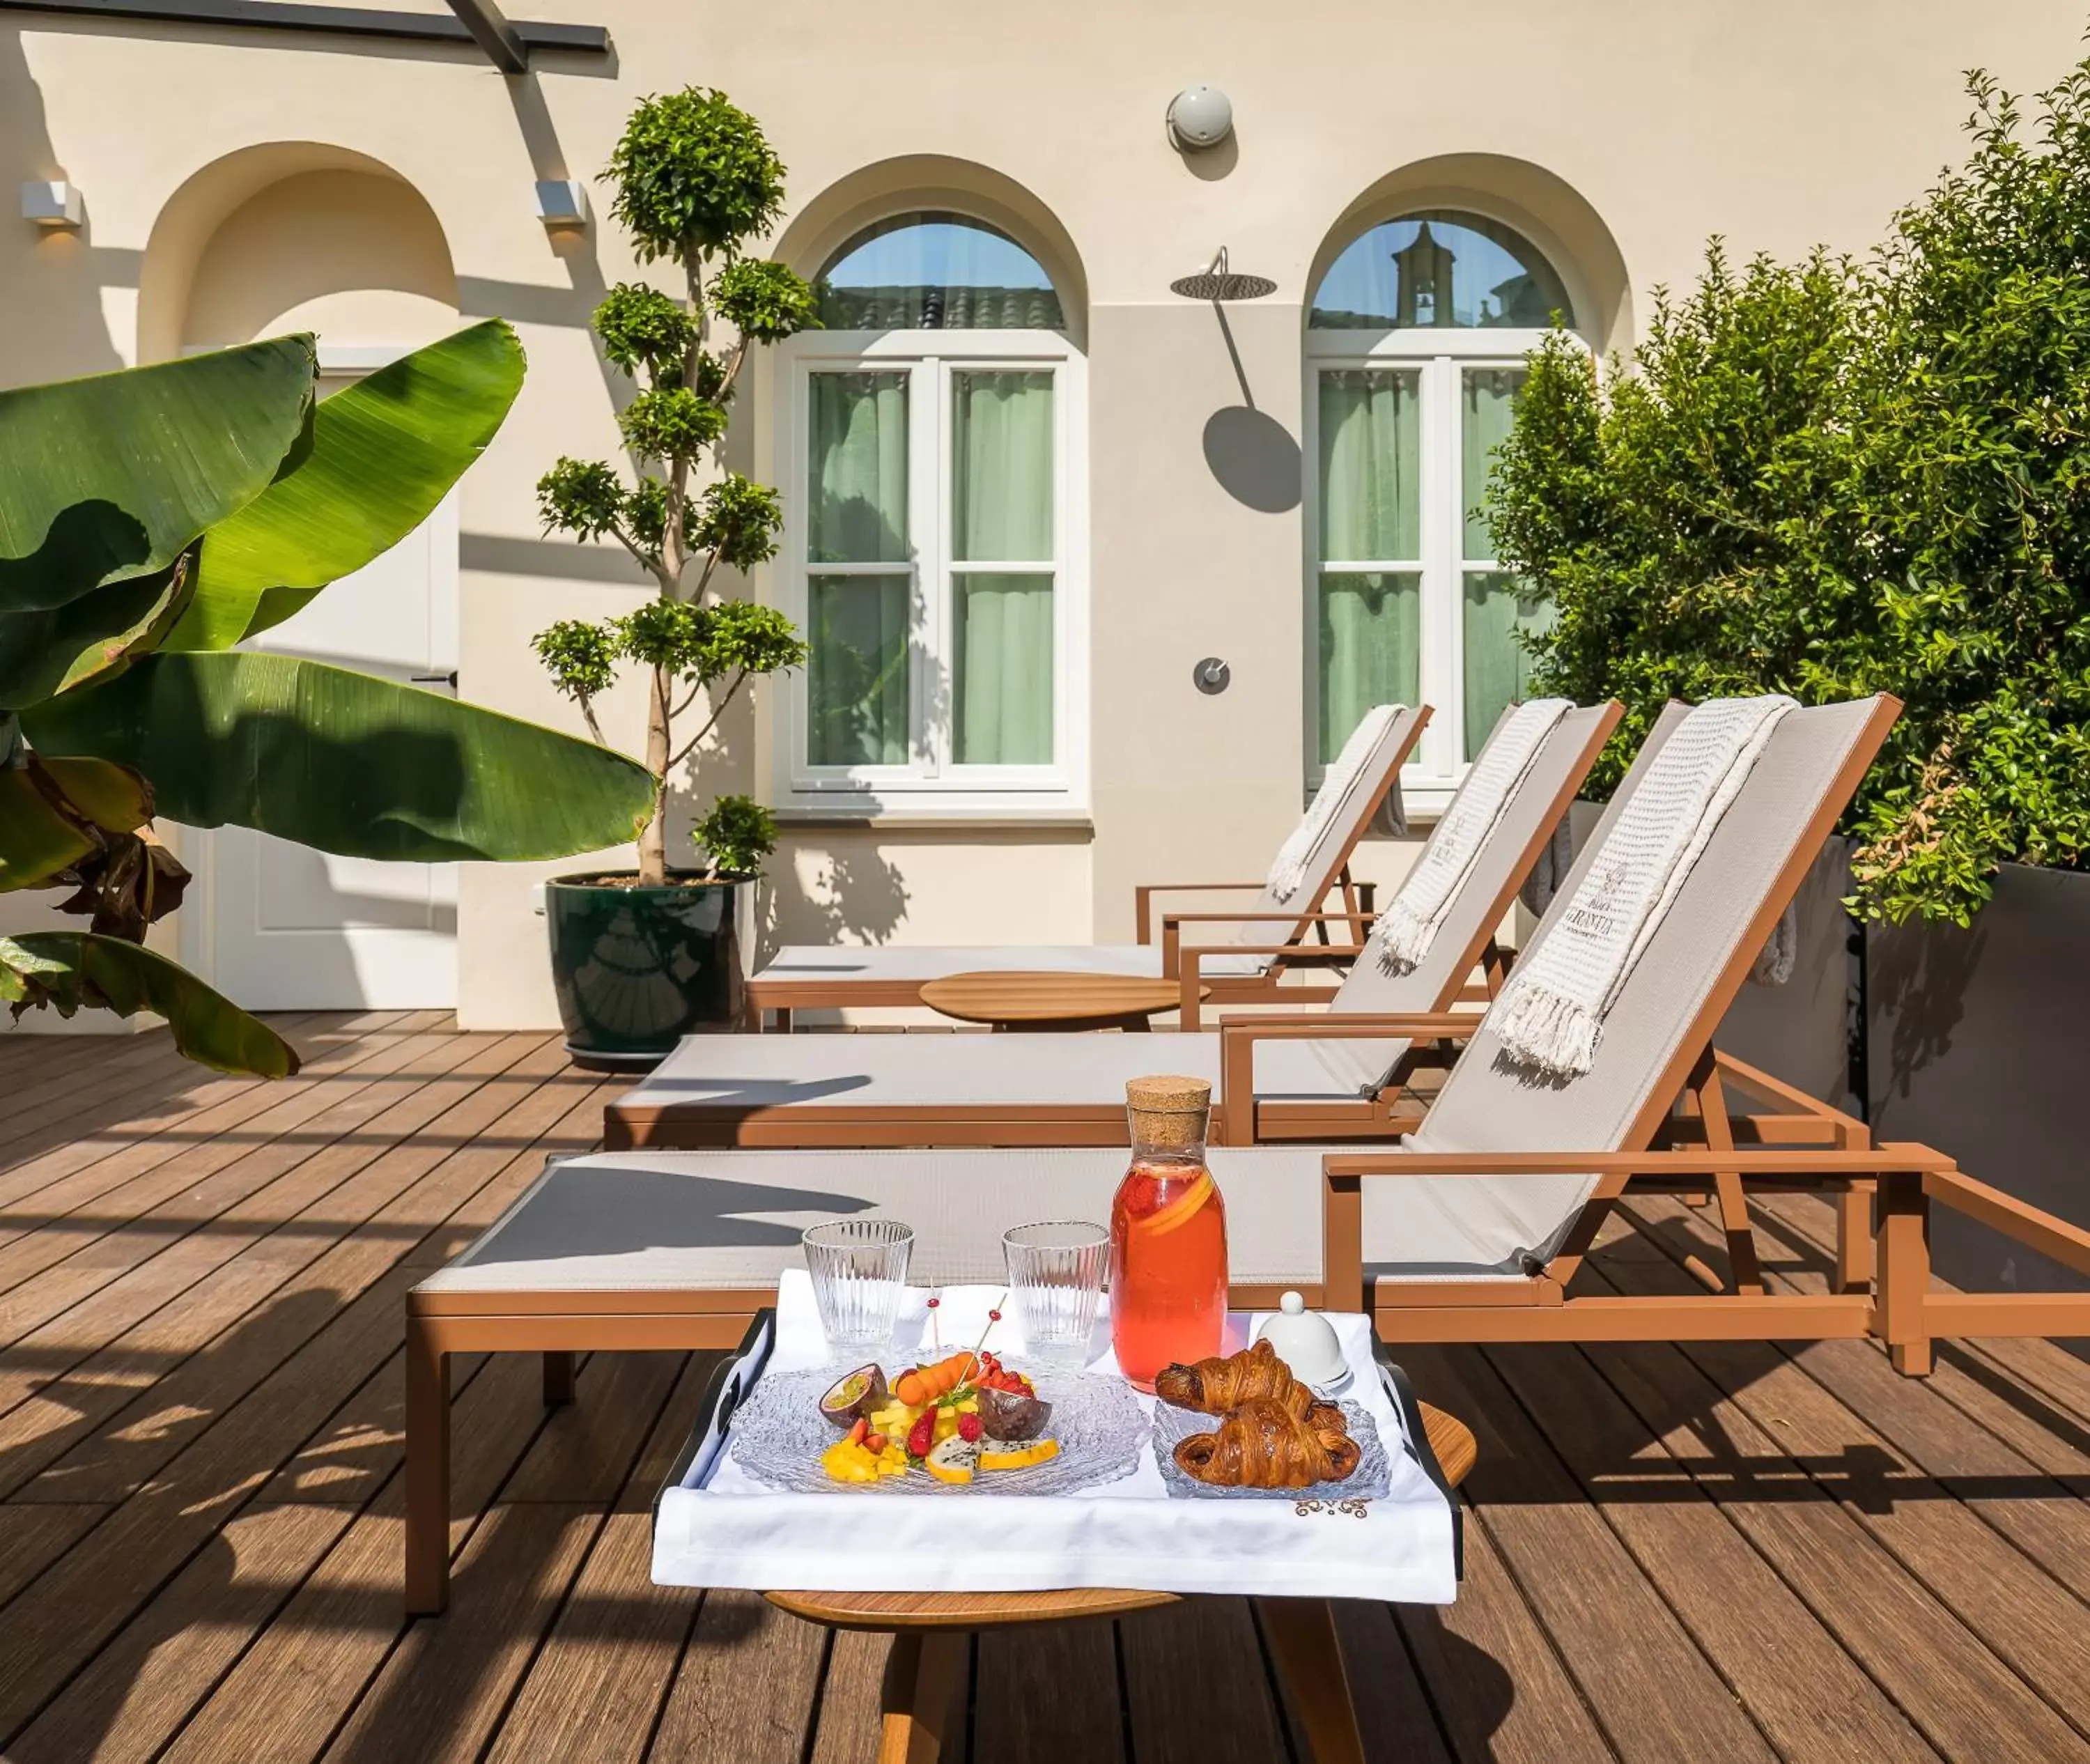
799, 817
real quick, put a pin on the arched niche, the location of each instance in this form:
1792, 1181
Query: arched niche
935, 184
1522, 198
292, 236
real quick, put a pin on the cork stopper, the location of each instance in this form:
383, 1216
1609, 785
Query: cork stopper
1168, 1110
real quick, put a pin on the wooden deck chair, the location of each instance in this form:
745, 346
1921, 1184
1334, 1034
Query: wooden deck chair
1272, 932
1064, 1090
1474, 1227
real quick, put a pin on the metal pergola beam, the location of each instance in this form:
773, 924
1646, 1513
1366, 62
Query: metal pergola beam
506, 44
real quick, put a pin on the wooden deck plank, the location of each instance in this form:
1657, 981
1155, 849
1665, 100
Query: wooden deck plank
1653, 1690
1040, 1693
1808, 1697
750, 1672
131, 1402
1197, 1689
32, 1536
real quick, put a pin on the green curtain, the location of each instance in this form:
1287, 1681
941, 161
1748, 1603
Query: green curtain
1371, 647
1001, 492
857, 469
1497, 610
1370, 511
1486, 410
856, 677
857, 493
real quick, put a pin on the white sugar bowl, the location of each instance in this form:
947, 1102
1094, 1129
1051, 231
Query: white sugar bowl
1306, 1341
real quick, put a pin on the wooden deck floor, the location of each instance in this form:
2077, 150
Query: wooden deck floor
1731, 1552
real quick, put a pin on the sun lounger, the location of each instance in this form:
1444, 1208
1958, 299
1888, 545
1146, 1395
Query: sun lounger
814, 976
1041, 1089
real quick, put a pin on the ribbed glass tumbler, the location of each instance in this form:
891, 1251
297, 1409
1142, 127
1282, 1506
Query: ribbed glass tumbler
859, 1270
1055, 1273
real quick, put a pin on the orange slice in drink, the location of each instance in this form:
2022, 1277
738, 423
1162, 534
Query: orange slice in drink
1180, 1211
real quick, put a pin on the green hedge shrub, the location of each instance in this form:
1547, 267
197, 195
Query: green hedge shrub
1835, 478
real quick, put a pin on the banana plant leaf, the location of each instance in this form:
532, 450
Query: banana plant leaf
384, 453
345, 763
45, 650
37, 839
113, 475
71, 969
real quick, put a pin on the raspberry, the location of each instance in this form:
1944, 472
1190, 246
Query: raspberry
969, 1428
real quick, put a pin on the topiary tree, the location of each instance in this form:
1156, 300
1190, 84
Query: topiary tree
1831, 480
695, 181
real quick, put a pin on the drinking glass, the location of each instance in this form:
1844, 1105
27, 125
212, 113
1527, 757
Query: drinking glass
1055, 1271
859, 1270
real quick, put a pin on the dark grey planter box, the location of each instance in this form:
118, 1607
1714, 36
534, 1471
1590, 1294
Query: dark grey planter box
1977, 1045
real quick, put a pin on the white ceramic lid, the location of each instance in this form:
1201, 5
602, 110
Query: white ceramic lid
1304, 1340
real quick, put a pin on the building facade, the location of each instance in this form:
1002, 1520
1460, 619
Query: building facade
1030, 484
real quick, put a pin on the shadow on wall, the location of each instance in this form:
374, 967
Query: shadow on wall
852, 896
49, 283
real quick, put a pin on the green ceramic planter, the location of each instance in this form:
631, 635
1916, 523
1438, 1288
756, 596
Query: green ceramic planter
636, 969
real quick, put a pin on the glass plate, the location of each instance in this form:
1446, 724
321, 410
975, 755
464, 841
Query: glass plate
779, 1433
1372, 1478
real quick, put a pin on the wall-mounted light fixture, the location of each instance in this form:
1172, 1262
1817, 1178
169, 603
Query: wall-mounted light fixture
562, 202
1199, 117
52, 203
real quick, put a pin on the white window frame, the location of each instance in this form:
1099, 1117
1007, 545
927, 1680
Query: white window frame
1439, 357
932, 783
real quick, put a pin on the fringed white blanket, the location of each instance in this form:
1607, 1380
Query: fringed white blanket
1409, 924
1289, 870
1550, 1014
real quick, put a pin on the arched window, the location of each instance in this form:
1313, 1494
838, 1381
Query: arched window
1415, 342
934, 430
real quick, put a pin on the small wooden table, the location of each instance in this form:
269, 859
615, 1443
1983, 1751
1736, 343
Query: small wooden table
930, 1631
1016, 1000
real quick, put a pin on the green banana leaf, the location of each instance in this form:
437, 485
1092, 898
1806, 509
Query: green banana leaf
113, 475
384, 452
113, 796
46, 650
345, 763
70, 969
37, 840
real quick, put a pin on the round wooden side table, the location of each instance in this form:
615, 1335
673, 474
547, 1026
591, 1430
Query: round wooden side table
930, 1631
1016, 1000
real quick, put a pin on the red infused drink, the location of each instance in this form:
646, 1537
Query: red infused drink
1168, 1234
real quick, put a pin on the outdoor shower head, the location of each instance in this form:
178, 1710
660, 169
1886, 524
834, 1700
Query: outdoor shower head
1217, 283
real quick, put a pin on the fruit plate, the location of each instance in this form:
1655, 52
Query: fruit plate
778, 1434
1372, 1478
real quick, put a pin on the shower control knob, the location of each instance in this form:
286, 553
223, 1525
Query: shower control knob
1211, 675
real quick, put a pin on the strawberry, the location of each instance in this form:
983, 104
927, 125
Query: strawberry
923, 1434
858, 1433
874, 1444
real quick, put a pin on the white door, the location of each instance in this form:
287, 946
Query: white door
294, 929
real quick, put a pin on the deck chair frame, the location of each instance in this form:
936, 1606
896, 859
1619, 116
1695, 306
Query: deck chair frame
1355, 912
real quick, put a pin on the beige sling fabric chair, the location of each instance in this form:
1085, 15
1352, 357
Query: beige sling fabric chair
1552, 1157
1270, 935
1060, 1089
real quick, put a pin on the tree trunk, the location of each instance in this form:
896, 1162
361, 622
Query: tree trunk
653, 842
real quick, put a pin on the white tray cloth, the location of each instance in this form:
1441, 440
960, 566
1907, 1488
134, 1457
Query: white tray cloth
721, 1528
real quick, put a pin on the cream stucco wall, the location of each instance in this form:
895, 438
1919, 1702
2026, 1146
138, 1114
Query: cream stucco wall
1620, 135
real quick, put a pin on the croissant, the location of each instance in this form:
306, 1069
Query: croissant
1214, 1385
1262, 1444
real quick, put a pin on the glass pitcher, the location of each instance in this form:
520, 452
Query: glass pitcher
1168, 1234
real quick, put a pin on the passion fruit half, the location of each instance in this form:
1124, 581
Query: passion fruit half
860, 1393
1011, 1415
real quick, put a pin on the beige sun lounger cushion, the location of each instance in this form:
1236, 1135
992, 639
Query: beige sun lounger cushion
919, 962
731, 1220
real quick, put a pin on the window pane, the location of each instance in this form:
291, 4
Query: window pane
1497, 671
1001, 467
857, 468
1371, 650
1488, 404
1440, 270
1002, 687
929, 272
1370, 477
856, 677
